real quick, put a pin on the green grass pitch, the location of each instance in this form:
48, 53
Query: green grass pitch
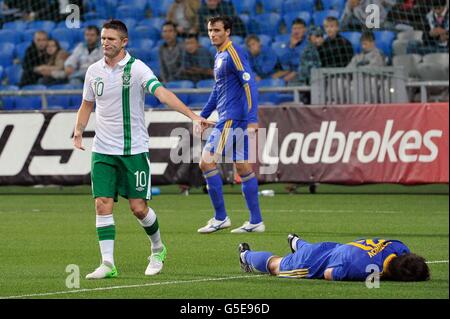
42, 233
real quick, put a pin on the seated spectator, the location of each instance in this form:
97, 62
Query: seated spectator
262, 60
370, 55
170, 54
35, 55
183, 13
435, 38
355, 15
212, 8
336, 51
197, 62
310, 58
83, 56
291, 58
53, 72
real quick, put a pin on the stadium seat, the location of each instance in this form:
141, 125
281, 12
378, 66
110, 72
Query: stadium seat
320, 16
141, 54
279, 48
140, 4
289, 17
13, 74
245, 6
8, 102
202, 97
151, 101
146, 44
64, 34
155, 22
272, 97
409, 62
337, 5
130, 22
97, 22
185, 97
266, 40
154, 54
45, 25
1, 73
272, 5
155, 67
144, 32
59, 101
30, 102
298, 5
282, 38
354, 38
106, 8
67, 46
237, 39
128, 11
160, 8
384, 40
28, 35
11, 36
204, 42
268, 23
7, 51
17, 25
89, 16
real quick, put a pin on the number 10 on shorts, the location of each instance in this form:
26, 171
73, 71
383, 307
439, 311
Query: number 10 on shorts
141, 178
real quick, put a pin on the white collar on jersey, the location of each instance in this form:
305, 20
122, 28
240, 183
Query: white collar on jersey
122, 62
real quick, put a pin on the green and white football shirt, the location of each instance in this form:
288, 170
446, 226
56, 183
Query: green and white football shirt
119, 94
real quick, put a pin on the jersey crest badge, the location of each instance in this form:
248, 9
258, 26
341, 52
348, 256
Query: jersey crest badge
126, 79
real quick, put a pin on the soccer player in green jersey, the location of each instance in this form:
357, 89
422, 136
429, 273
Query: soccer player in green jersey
120, 160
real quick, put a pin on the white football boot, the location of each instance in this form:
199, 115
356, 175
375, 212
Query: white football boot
156, 262
214, 225
250, 228
105, 270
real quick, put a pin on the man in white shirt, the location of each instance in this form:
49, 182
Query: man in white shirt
120, 160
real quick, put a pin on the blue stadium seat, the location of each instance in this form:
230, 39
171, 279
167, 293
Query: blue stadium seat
155, 22
151, 101
354, 38
14, 73
268, 23
320, 16
384, 40
337, 5
30, 102
144, 32
17, 25
272, 5
127, 11
8, 102
45, 25
245, 6
89, 16
185, 97
202, 98
10, 36
146, 44
204, 42
154, 54
97, 22
7, 54
266, 40
237, 39
21, 48
289, 17
271, 97
139, 53
105, 8
64, 34
130, 22
155, 67
280, 48
282, 38
1, 73
212, 49
28, 35
160, 8
298, 5
59, 101
67, 46
140, 4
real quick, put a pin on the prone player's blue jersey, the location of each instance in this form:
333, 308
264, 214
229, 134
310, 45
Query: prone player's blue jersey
234, 94
350, 261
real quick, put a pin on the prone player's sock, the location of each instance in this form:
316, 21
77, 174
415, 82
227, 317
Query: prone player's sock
214, 181
250, 190
106, 231
151, 227
257, 259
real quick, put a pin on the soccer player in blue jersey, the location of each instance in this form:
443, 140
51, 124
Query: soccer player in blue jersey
334, 261
234, 96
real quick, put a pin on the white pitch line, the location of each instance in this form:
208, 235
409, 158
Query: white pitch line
437, 262
75, 291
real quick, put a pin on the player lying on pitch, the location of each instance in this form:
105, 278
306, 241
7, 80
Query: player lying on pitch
333, 261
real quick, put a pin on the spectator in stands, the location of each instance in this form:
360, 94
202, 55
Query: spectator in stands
184, 14
212, 8
83, 56
53, 72
370, 55
35, 55
30, 10
294, 48
262, 60
197, 62
310, 58
170, 54
355, 15
435, 38
336, 51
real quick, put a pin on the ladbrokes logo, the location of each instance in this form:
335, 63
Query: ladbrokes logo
332, 146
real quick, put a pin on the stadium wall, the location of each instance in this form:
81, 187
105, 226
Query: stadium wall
356, 144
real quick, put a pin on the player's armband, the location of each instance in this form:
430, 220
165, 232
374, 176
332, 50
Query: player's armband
152, 85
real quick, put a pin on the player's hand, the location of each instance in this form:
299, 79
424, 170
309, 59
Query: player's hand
78, 141
201, 124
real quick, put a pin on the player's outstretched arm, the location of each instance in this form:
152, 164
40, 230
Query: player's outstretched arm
167, 97
83, 114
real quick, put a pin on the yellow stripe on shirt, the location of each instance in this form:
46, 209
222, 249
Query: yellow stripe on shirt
224, 136
236, 58
249, 96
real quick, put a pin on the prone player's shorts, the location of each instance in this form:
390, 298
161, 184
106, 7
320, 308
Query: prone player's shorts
309, 261
124, 175
229, 139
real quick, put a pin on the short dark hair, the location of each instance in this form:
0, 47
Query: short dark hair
94, 28
252, 37
116, 25
226, 20
367, 36
299, 21
192, 36
408, 267
173, 24
332, 19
